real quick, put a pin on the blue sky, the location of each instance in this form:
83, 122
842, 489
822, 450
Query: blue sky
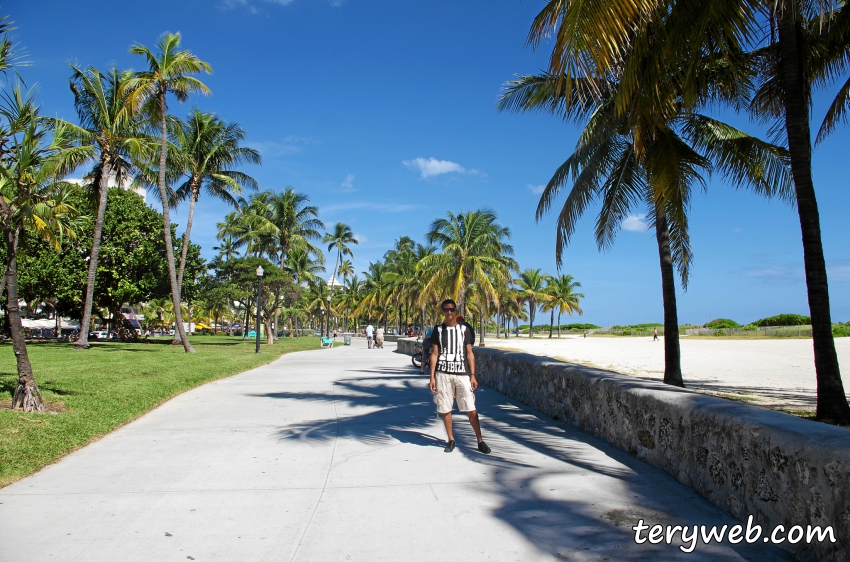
382, 111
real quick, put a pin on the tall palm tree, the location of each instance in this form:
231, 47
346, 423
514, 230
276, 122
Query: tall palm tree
642, 149
339, 240
32, 198
346, 269
531, 286
422, 297
228, 249
303, 267
474, 249
563, 297
169, 71
109, 128
208, 150
377, 287
799, 44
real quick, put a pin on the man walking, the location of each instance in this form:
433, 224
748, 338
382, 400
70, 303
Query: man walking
451, 351
370, 331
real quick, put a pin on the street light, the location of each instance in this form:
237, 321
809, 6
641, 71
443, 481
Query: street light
328, 331
259, 303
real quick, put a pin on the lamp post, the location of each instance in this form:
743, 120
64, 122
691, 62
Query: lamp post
259, 303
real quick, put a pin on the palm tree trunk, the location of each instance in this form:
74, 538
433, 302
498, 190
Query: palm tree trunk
672, 355
832, 406
559, 322
551, 321
166, 227
83, 341
26, 395
531, 310
192, 200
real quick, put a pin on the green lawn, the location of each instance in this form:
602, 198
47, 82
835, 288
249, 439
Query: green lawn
113, 383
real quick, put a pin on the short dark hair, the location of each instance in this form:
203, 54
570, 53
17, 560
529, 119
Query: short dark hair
448, 301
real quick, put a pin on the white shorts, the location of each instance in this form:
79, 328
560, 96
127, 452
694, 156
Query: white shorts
453, 387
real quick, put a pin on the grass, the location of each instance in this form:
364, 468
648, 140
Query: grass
94, 392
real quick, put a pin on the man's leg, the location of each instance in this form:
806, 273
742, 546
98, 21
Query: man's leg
476, 426
447, 421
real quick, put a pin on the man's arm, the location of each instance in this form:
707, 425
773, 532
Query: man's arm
470, 358
435, 356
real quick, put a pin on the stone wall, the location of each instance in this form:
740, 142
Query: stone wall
408, 346
781, 469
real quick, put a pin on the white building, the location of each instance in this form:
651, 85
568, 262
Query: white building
113, 182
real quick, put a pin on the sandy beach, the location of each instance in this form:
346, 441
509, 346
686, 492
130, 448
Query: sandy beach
778, 373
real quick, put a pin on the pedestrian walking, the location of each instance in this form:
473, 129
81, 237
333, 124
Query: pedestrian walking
379, 338
453, 373
655, 334
370, 332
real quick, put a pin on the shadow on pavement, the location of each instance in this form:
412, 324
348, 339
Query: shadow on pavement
386, 405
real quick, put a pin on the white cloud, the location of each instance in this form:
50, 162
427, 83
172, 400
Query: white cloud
361, 239
635, 223
287, 146
432, 167
536, 189
348, 183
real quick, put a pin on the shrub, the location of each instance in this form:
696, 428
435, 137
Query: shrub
841, 330
720, 323
784, 320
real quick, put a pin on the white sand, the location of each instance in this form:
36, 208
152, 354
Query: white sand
771, 372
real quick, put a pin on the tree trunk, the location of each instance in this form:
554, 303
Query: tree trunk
247, 319
83, 341
483, 331
166, 227
531, 310
832, 406
672, 355
193, 198
26, 396
551, 321
559, 323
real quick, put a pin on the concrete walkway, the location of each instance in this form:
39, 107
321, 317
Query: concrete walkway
337, 455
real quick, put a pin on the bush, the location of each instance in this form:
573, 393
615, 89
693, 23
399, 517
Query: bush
784, 320
841, 330
720, 323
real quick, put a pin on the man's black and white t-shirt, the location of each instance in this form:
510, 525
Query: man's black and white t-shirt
451, 342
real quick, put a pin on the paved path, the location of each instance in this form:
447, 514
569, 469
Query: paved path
337, 455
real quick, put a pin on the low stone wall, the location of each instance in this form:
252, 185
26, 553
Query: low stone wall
408, 346
750, 461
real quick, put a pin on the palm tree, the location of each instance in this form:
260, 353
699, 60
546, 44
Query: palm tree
339, 240
350, 298
169, 72
109, 128
228, 249
303, 267
32, 199
208, 149
639, 149
561, 297
531, 286
346, 269
799, 44
377, 287
474, 249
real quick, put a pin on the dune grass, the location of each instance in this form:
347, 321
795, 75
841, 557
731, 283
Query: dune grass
94, 392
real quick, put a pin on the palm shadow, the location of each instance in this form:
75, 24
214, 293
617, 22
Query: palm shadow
390, 405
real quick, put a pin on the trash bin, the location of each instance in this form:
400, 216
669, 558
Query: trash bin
346, 340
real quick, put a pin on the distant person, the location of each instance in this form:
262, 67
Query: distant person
453, 373
370, 331
334, 334
655, 334
379, 338
585, 333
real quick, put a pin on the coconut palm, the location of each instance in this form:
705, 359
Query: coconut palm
208, 150
377, 288
531, 285
639, 150
474, 249
228, 249
32, 199
346, 269
339, 240
169, 72
107, 126
799, 45
563, 298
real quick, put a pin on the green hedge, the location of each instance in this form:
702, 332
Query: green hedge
784, 320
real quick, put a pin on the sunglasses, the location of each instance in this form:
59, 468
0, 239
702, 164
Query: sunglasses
449, 309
